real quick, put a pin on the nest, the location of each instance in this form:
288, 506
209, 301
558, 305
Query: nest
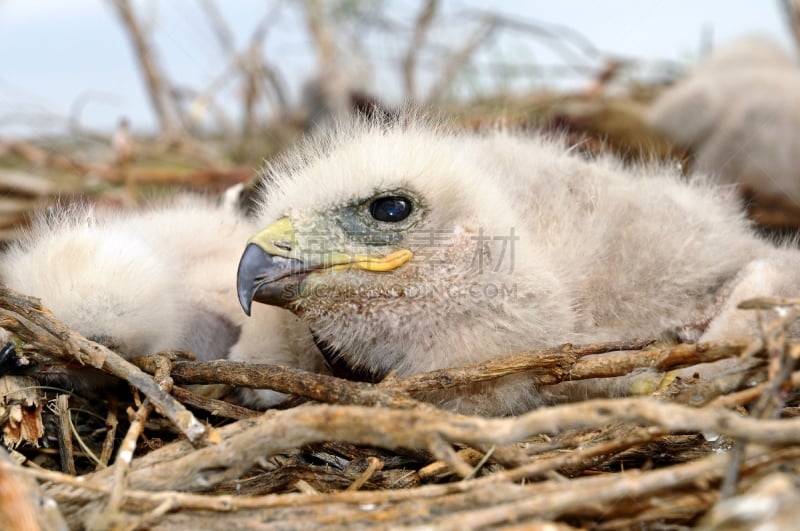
716, 453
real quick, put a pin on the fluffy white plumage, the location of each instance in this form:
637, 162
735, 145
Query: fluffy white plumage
603, 252
143, 281
739, 111
101, 278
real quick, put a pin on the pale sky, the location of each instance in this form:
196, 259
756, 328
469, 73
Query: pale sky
55, 54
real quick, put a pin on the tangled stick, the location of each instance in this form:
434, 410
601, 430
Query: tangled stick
48, 337
158, 486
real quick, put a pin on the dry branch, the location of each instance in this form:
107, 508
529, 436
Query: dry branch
320, 387
219, 408
333, 91
791, 10
317, 23
489, 499
108, 442
421, 26
29, 320
157, 86
25, 184
208, 177
568, 456
461, 57
544, 367
65, 435
388, 428
221, 30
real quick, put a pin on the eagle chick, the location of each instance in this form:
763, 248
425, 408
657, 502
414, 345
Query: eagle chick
413, 247
739, 111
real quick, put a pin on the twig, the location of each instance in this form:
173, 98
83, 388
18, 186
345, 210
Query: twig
64, 343
487, 500
439, 470
128, 445
318, 387
791, 10
442, 450
65, 435
375, 464
601, 490
461, 57
746, 396
561, 39
302, 486
216, 407
108, 441
153, 516
220, 29
782, 360
421, 26
708, 390
318, 29
554, 365
227, 503
480, 464
543, 367
400, 429
582, 443
124, 456
157, 85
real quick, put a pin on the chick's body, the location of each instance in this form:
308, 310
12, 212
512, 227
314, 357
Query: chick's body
142, 281
516, 243
738, 111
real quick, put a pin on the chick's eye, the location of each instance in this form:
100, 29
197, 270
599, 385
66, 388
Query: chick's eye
390, 209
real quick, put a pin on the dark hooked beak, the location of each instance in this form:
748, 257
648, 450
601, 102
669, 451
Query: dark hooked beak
267, 278
271, 270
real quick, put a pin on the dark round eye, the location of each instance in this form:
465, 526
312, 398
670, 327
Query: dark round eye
390, 209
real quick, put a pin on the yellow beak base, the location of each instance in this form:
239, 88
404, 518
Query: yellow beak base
279, 240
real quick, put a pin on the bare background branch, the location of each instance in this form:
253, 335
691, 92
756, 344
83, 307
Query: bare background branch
158, 87
421, 27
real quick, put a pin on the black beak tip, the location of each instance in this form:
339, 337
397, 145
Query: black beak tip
251, 264
245, 302
265, 278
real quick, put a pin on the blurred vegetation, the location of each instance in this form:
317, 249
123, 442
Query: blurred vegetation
203, 143
454, 61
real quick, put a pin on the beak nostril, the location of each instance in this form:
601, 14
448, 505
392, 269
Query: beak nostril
282, 245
